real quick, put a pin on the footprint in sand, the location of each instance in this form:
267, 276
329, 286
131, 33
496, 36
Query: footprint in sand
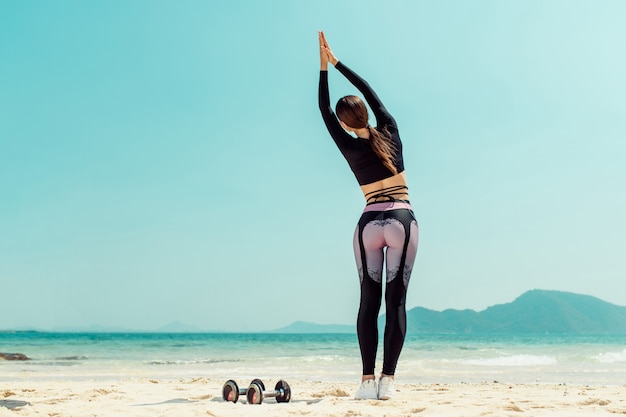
595, 401
336, 392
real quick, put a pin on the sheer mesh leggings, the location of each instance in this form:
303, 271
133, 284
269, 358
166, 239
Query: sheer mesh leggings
391, 234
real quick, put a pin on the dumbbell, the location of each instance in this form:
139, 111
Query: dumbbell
256, 393
231, 391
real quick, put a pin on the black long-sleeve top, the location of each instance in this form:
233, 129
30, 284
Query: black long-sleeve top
364, 163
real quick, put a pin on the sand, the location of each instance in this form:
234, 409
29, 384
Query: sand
202, 397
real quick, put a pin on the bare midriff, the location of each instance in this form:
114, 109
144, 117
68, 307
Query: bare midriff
397, 183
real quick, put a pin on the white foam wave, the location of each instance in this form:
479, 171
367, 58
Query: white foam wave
611, 357
190, 362
513, 360
324, 358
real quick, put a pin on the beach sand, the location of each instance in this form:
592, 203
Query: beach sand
202, 397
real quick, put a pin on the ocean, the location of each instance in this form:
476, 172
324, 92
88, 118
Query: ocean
445, 359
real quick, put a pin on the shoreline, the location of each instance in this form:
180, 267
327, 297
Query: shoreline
138, 397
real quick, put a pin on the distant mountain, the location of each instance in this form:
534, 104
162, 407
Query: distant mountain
306, 327
536, 312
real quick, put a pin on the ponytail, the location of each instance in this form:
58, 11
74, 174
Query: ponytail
353, 112
383, 147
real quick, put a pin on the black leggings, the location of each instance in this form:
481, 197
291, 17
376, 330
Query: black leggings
389, 225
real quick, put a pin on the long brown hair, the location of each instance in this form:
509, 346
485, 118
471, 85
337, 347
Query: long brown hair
352, 111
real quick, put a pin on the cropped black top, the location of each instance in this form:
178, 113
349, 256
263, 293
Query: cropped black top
365, 164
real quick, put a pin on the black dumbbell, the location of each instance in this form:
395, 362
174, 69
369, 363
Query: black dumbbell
256, 393
231, 391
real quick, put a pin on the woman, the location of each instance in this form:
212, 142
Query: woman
387, 227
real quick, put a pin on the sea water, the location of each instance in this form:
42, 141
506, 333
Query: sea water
586, 360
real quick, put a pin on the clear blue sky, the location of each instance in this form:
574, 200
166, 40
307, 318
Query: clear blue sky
166, 160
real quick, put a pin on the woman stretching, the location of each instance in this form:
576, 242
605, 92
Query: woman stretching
375, 157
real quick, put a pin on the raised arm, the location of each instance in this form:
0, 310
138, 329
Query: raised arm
340, 136
383, 117
380, 112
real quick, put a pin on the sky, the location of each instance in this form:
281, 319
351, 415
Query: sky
166, 161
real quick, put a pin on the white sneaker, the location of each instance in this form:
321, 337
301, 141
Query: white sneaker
367, 390
386, 388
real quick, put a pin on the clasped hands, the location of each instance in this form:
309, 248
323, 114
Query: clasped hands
326, 54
